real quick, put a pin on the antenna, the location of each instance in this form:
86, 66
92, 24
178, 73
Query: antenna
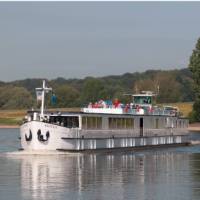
158, 90
44, 90
136, 88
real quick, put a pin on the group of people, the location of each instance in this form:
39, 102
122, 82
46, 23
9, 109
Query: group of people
117, 104
106, 104
112, 104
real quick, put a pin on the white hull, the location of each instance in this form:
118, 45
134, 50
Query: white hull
61, 138
55, 134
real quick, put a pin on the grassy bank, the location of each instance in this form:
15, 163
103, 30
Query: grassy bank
14, 117
11, 117
185, 107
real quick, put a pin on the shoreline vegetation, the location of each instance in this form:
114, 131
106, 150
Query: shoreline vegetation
13, 118
173, 85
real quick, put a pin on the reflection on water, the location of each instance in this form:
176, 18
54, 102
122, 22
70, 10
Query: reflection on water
170, 174
148, 176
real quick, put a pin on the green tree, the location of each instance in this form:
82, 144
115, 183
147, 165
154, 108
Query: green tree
169, 91
67, 96
93, 90
15, 98
194, 66
169, 88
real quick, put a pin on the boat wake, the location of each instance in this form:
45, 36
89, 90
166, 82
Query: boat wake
195, 142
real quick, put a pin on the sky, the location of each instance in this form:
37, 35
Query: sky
79, 39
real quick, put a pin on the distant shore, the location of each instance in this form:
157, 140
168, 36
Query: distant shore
9, 126
194, 127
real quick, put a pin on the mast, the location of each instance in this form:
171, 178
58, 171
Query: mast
44, 90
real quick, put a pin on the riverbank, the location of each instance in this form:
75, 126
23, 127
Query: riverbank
9, 126
13, 118
194, 127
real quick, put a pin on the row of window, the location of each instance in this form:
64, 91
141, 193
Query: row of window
92, 122
113, 122
66, 121
175, 123
180, 124
121, 123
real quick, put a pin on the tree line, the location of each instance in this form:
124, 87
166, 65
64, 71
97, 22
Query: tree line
171, 86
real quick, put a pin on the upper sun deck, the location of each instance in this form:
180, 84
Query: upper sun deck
142, 104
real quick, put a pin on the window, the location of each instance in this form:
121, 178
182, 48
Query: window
157, 123
121, 123
142, 99
176, 124
129, 123
91, 122
99, 122
84, 122
180, 123
66, 121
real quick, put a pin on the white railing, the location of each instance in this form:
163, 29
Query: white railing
140, 111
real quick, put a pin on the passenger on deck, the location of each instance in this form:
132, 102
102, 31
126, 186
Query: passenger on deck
104, 104
95, 105
108, 103
116, 103
90, 105
100, 104
127, 107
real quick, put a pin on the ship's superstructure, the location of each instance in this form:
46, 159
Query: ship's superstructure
104, 125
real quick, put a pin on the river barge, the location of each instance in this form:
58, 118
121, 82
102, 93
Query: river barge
104, 126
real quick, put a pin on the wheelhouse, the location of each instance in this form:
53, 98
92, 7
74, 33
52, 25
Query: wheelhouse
145, 99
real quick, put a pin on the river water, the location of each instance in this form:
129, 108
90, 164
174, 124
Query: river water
159, 174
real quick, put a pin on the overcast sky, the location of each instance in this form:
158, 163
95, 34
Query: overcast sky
78, 39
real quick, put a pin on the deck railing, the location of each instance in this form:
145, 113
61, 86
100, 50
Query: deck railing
141, 111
